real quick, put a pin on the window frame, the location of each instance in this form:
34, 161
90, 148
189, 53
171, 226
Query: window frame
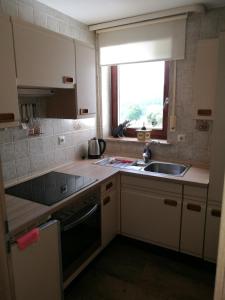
131, 132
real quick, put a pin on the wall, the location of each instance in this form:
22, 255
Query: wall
22, 155
197, 147
39, 14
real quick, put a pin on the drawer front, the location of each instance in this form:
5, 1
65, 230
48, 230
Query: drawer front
195, 192
151, 184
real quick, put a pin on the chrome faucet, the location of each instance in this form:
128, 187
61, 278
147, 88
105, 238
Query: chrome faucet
147, 153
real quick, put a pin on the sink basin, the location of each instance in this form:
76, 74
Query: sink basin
167, 168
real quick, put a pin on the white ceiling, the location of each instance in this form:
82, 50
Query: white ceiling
97, 11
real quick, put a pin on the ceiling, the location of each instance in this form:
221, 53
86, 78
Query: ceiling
97, 11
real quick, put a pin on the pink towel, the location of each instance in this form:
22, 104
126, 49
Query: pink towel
29, 238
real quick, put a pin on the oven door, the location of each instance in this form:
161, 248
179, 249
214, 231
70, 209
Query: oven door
80, 238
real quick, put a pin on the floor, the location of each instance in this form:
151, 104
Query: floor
133, 270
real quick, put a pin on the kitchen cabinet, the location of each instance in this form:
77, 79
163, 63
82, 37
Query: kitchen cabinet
43, 58
37, 269
193, 220
151, 210
9, 111
205, 79
86, 80
110, 209
212, 232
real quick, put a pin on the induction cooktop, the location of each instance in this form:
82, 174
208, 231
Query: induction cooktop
50, 188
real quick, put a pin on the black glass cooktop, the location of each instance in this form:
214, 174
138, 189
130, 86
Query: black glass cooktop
50, 188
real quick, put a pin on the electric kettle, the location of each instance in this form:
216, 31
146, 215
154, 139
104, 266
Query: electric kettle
96, 147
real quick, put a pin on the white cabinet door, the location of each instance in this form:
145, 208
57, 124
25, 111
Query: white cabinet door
205, 79
9, 109
43, 58
37, 269
109, 217
86, 80
192, 227
150, 217
212, 232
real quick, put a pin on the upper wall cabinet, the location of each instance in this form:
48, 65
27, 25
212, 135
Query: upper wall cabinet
43, 58
86, 80
205, 78
9, 111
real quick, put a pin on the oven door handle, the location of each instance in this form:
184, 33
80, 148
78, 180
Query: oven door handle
80, 220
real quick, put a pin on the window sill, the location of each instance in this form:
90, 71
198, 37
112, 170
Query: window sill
135, 140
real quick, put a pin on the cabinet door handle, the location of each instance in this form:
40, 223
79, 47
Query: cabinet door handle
170, 202
216, 213
7, 117
204, 112
194, 207
108, 186
83, 111
67, 79
106, 200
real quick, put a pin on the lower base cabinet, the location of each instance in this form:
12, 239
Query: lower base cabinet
192, 228
110, 199
37, 269
109, 217
152, 216
212, 232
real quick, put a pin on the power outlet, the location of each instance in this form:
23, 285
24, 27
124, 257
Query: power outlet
181, 138
61, 140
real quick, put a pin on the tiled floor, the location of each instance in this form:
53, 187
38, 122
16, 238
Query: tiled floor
132, 270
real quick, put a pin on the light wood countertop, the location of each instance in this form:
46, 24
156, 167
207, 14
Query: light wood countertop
24, 214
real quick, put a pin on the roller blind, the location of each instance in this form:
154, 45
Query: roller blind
145, 41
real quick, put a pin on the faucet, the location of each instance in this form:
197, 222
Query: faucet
147, 153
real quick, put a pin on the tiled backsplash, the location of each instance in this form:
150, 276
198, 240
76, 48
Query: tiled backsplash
23, 156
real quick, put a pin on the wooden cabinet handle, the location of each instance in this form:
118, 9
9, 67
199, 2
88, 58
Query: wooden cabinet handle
67, 79
216, 213
108, 186
7, 117
194, 207
170, 202
204, 112
83, 111
106, 200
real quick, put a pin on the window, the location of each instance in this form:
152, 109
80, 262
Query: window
139, 93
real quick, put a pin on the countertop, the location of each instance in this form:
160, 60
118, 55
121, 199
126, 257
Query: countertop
24, 214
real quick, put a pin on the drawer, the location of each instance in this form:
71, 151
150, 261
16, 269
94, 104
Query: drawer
195, 192
109, 185
151, 184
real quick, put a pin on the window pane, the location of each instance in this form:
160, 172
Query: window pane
140, 91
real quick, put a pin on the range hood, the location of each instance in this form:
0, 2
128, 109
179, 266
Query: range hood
35, 92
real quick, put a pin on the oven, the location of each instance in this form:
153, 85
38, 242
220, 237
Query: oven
80, 230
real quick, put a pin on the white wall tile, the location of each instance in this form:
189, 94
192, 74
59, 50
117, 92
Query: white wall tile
10, 8
9, 170
40, 18
26, 12
21, 149
23, 167
7, 152
60, 156
52, 24
6, 136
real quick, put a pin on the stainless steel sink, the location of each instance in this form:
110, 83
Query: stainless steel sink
174, 169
